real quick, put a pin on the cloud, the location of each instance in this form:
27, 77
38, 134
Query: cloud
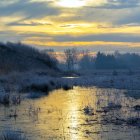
32, 23
28, 9
114, 4
108, 37
93, 42
98, 21
116, 12
115, 17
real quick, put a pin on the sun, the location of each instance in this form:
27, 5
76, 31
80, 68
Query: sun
71, 3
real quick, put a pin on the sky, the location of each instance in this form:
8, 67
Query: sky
97, 25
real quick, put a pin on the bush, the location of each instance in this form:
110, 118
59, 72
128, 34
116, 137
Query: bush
20, 58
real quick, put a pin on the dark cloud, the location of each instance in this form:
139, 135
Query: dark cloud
100, 37
128, 38
106, 37
123, 3
28, 24
117, 4
120, 37
28, 9
115, 17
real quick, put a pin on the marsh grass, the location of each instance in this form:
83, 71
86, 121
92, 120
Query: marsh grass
12, 135
8, 99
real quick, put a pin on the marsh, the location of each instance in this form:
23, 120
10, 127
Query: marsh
60, 115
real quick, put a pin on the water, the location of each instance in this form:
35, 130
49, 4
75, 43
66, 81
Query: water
60, 116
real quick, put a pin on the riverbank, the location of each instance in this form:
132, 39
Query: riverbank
25, 82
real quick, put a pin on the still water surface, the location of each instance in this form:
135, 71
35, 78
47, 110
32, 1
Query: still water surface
60, 116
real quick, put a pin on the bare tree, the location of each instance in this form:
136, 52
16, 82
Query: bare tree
71, 56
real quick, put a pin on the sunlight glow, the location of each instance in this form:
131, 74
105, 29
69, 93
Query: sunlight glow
96, 2
71, 3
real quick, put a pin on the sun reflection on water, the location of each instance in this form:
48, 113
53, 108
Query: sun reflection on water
73, 120
61, 115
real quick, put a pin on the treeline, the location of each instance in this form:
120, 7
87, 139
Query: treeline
21, 57
101, 60
117, 61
